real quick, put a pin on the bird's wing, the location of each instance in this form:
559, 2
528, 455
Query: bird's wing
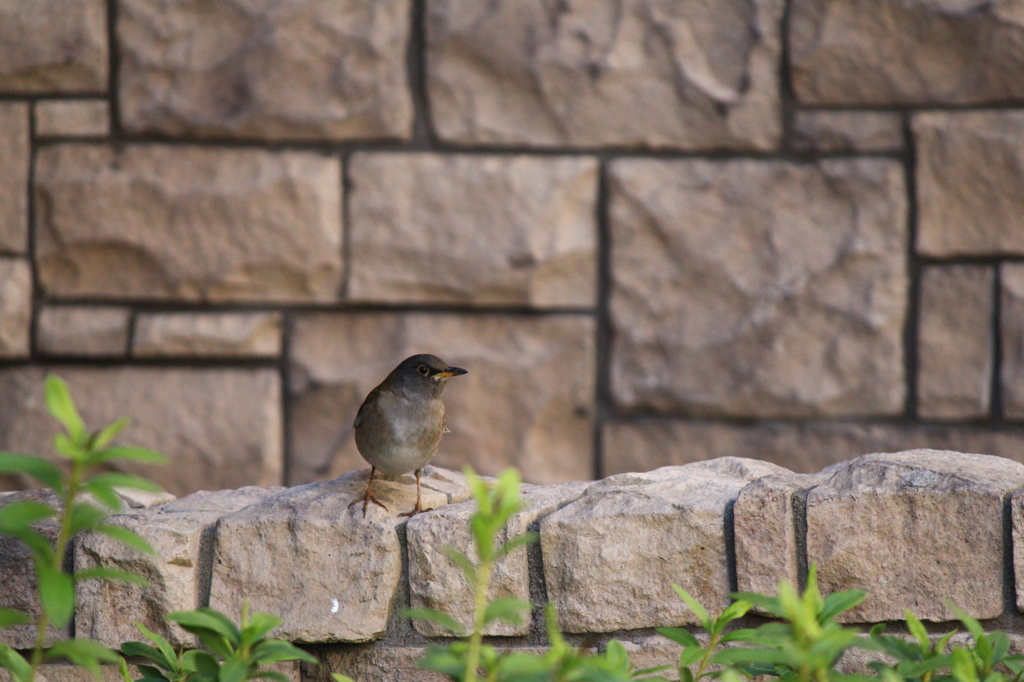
363, 409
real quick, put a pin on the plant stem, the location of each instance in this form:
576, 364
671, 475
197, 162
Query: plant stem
480, 603
712, 643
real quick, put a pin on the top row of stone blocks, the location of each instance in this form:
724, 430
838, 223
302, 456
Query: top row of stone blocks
507, 73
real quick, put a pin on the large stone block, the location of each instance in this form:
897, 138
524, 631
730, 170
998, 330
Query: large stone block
651, 73
207, 334
431, 228
888, 52
329, 571
72, 118
1017, 514
221, 428
1011, 326
955, 341
758, 288
15, 307
312, 69
188, 223
181, 532
611, 557
848, 131
83, 331
970, 182
436, 583
53, 46
15, 151
915, 529
527, 400
371, 663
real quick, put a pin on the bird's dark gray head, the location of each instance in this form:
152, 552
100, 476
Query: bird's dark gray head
423, 374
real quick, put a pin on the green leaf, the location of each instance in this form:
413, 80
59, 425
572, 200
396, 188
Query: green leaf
60, 405
1000, 645
85, 653
145, 651
271, 675
258, 626
338, 677
972, 625
462, 561
765, 603
18, 515
735, 610
10, 617
679, 636
16, 663
207, 619
962, 666
68, 448
442, 619
151, 672
839, 602
207, 667
916, 628
233, 670
123, 480
86, 516
125, 537
57, 594
129, 454
103, 573
108, 433
38, 468
507, 609
273, 650
515, 543
742, 655
695, 606
690, 655
170, 658
105, 494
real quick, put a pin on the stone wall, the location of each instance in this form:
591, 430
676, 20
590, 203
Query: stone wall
654, 231
916, 529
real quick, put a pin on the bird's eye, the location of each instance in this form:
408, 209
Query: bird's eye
423, 369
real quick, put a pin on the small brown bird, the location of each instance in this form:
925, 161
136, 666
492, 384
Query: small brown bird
400, 424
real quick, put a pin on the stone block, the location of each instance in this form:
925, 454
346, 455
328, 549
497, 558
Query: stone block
1011, 326
731, 297
888, 52
527, 400
486, 230
162, 222
372, 663
806, 447
611, 557
329, 571
221, 427
642, 73
914, 529
72, 118
436, 583
181, 532
112, 673
207, 334
83, 331
1017, 514
306, 70
955, 341
53, 46
848, 131
15, 307
15, 151
970, 182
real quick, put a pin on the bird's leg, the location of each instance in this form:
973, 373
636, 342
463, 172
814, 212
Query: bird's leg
419, 507
368, 497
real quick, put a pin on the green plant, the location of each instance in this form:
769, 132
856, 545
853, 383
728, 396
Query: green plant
702, 655
85, 496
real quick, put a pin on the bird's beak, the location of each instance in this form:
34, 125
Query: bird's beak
451, 372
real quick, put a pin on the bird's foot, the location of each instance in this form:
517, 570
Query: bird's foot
415, 510
366, 500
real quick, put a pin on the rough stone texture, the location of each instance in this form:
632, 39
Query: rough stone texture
15, 307
882, 524
312, 69
955, 341
1017, 514
866, 52
806, 447
82, 331
207, 334
758, 288
653, 73
181, 532
72, 118
527, 400
611, 557
53, 46
473, 229
329, 571
970, 182
436, 583
848, 131
111, 673
370, 663
179, 222
221, 428
14, 160
1011, 325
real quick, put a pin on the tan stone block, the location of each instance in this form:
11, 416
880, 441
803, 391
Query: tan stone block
207, 334
527, 400
955, 341
327, 569
221, 428
914, 529
72, 118
970, 182
432, 228
611, 557
866, 52
15, 150
730, 298
188, 223
372, 663
83, 330
1011, 325
310, 70
1017, 514
848, 131
650, 73
53, 46
15, 307
181, 533
436, 583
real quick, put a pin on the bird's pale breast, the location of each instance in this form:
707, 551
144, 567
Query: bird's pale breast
398, 435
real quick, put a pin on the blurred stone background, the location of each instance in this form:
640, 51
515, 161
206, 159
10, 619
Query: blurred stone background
655, 231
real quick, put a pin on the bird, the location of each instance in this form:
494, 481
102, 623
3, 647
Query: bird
400, 423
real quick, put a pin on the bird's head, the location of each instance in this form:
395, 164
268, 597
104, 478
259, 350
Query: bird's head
424, 373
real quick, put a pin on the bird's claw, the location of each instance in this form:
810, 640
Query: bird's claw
415, 510
366, 500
